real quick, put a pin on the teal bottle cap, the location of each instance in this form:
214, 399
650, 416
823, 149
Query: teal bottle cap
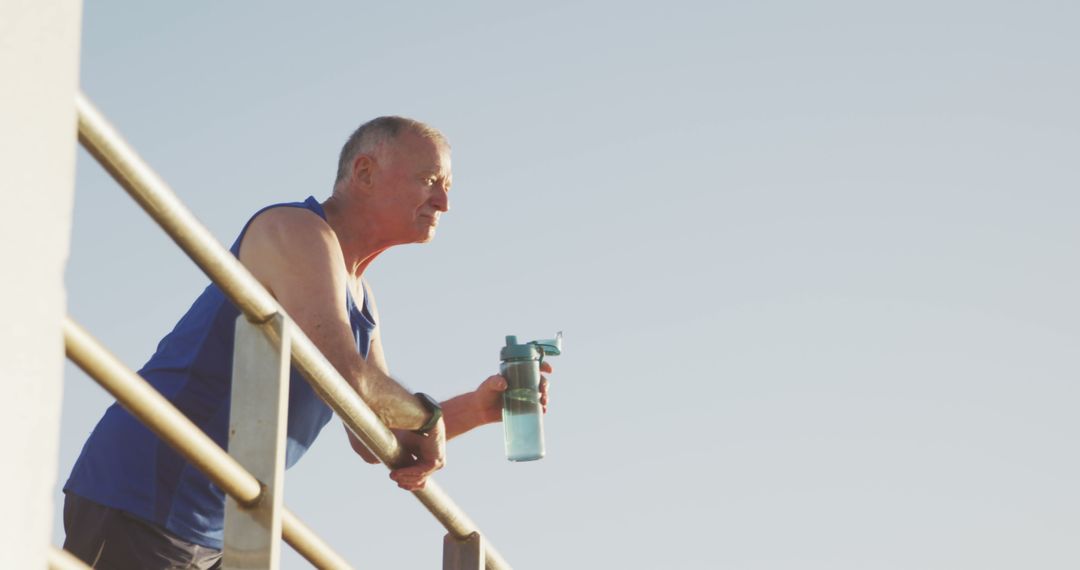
514, 350
531, 349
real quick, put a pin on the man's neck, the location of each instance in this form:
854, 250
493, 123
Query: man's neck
358, 245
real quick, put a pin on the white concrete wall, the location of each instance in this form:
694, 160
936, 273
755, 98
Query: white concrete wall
39, 63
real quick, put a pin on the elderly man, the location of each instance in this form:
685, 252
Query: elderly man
132, 502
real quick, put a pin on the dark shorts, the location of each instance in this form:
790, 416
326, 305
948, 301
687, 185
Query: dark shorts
110, 539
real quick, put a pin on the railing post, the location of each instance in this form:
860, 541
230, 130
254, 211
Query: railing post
465, 554
257, 422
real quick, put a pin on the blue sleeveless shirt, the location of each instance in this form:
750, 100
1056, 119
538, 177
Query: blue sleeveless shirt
125, 466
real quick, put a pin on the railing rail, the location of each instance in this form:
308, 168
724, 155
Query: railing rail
258, 306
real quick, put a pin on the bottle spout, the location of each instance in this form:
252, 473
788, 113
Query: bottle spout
551, 346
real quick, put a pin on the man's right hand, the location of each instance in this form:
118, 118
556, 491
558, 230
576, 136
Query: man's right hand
428, 453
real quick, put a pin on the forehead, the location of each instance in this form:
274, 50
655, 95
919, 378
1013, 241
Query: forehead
418, 152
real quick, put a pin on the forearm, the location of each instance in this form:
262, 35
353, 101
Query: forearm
394, 405
466, 412
391, 402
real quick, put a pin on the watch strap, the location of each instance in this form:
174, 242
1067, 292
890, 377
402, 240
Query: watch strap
433, 407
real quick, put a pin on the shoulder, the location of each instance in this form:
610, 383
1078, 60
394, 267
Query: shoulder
287, 223
289, 232
287, 244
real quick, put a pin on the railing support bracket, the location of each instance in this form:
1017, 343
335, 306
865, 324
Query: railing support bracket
258, 418
467, 554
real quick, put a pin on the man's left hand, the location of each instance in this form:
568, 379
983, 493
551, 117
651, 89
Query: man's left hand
488, 397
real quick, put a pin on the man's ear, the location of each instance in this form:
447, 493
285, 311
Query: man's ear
363, 169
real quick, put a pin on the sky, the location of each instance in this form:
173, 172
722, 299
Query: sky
815, 263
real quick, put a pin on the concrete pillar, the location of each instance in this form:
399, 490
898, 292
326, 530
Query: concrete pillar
39, 63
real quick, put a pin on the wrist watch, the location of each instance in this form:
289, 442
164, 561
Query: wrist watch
433, 407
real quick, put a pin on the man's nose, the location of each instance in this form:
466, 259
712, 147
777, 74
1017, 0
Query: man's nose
441, 199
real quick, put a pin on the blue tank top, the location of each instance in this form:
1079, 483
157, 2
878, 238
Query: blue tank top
125, 466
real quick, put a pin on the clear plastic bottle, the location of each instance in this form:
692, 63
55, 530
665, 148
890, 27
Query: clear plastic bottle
523, 417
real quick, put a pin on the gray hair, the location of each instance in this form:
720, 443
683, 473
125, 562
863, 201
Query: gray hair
369, 137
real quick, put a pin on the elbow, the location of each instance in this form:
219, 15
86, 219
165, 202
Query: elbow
364, 452
361, 449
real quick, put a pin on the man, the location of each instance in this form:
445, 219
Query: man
132, 502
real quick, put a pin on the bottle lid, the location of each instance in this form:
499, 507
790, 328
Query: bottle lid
515, 350
531, 349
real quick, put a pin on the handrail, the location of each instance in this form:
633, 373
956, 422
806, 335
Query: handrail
173, 427
161, 203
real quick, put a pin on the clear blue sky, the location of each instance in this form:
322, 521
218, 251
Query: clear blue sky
815, 262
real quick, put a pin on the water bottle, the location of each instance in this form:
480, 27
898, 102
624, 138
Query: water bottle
522, 415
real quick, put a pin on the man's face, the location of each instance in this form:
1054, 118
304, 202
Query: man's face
411, 188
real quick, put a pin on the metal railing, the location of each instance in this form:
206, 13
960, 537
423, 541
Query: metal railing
463, 541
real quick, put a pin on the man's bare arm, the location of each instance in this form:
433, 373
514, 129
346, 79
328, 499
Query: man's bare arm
484, 405
295, 255
461, 413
